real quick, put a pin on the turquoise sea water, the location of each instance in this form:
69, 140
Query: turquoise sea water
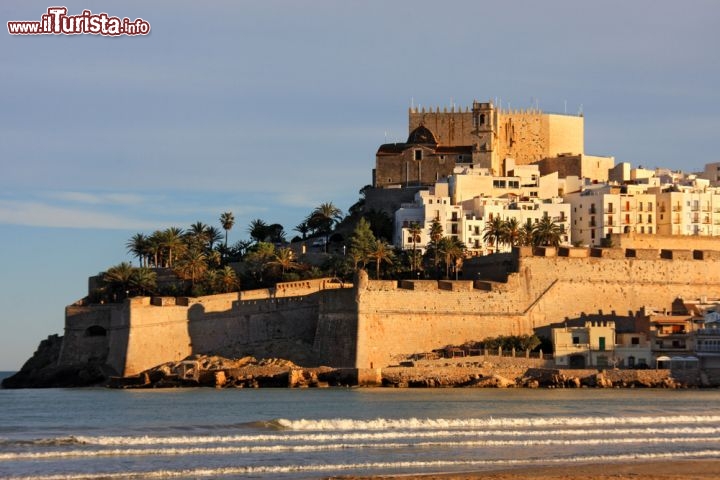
316, 433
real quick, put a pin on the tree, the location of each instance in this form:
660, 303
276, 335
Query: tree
525, 235
547, 233
379, 254
362, 242
323, 219
453, 250
258, 230
227, 220
213, 235
155, 247
285, 259
191, 266
227, 280
261, 254
302, 228
511, 232
414, 230
275, 233
143, 281
493, 232
117, 279
436, 233
171, 241
139, 246
198, 236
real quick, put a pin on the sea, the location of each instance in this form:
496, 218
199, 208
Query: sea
196, 433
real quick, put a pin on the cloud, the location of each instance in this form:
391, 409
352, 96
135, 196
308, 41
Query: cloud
99, 198
39, 214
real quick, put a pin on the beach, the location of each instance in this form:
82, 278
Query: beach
657, 470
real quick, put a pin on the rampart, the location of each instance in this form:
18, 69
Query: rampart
376, 322
543, 287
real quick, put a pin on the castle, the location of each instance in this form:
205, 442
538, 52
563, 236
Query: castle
483, 136
375, 323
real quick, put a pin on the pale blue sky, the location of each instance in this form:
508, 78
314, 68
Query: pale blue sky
268, 109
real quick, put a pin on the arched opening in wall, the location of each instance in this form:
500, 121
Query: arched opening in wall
577, 361
95, 331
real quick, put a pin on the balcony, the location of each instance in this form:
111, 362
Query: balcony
677, 208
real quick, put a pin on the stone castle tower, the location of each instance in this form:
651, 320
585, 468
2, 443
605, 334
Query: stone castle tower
483, 136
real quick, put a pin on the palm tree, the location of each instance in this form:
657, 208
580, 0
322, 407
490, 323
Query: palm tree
139, 245
511, 232
213, 236
198, 235
285, 258
414, 231
191, 266
547, 233
143, 281
525, 234
323, 219
258, 230
117, 278
171, 240
493, 232
436, 233
381, 253
303, 228
155, 247
227, 280
227, 220
454, 251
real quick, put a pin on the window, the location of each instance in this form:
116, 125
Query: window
635, 341
418, 154
576, 340
649, 218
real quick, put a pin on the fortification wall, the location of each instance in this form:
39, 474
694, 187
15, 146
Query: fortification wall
545, 290
336, 337
282, 327
87, 334
146, 335
655, 241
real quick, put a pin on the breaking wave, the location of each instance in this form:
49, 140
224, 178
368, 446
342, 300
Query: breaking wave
319, 468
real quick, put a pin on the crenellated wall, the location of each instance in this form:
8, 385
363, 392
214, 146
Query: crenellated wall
544, 290
377, 322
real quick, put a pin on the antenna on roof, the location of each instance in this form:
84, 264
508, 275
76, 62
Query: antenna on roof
412, 103
565, 106
580, 111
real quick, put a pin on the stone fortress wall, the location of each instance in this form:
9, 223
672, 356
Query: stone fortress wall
375, 323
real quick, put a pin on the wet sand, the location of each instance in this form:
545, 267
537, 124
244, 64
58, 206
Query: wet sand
657, 470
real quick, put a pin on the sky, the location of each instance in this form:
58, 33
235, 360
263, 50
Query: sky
268, 109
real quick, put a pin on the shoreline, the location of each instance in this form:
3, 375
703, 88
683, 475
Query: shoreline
660, 469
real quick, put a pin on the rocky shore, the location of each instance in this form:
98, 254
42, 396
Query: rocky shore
248, 372
482, 371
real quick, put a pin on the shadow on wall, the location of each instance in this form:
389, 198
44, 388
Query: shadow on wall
282, 327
